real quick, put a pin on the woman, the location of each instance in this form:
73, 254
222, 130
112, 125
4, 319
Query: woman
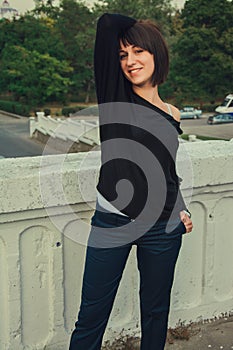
138, 197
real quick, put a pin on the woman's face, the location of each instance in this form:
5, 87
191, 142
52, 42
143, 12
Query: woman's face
137, 64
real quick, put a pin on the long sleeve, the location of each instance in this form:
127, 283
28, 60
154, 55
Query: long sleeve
111, 86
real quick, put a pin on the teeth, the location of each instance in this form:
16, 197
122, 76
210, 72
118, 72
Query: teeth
134, 70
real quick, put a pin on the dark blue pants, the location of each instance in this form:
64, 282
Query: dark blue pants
157, 254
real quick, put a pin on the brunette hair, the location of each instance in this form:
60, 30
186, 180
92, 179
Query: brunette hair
147, 35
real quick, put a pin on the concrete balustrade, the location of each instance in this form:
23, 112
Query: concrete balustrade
46, 205
76, 129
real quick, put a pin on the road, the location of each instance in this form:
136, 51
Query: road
15, 140
200, 127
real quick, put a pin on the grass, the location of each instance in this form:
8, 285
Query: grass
204, 138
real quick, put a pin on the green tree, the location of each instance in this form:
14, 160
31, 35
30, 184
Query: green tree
76, 24
32, 33
85, 76
46, 8
32, 77
203, 61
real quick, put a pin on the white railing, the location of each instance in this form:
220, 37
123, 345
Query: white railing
85, 130
46, 205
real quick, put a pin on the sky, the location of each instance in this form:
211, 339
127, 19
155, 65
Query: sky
23, 5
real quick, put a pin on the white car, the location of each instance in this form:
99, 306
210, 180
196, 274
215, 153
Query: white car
190, 113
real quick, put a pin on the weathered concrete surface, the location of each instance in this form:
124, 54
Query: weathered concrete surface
46, 204
215, 334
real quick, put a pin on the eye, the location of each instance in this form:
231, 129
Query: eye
139, 50
122, 56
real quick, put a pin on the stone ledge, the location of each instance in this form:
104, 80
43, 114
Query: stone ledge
62, 179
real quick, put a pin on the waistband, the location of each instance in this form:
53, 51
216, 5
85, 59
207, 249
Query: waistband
117, 220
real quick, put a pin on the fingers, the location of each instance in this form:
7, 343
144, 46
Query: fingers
188, 225
186, 221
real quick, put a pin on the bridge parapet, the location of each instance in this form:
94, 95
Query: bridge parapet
46, 205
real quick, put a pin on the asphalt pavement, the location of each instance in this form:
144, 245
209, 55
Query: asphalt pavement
200, 127
15, 139
16, 142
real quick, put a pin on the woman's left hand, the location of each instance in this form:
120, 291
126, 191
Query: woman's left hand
186, 221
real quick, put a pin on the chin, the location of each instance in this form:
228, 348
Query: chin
137, 82
142, 84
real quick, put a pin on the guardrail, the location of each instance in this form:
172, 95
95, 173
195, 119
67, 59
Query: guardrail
70, 129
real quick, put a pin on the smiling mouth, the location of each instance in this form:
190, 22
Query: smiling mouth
135, 70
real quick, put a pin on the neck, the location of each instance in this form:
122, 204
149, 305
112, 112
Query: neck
149, 93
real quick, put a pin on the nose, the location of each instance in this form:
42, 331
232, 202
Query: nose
131, 60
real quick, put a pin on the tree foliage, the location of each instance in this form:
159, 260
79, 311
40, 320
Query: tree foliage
31, 50
203, 60
33, 77
46, 8
48, 53
76, 25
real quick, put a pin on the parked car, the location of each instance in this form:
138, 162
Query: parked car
220, 118
190, 113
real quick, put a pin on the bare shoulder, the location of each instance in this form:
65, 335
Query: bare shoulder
175, 113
